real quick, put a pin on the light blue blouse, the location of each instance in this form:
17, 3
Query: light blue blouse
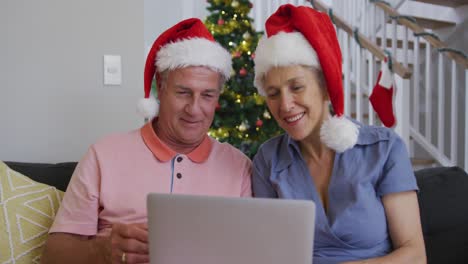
355, 226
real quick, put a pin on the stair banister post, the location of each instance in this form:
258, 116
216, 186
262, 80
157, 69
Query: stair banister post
454, 114
370, 81
440, 104
466, 119
402, 109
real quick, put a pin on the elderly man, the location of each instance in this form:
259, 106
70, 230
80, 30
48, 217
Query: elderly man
102, 218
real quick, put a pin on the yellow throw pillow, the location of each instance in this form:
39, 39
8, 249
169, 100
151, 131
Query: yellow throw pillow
27, 210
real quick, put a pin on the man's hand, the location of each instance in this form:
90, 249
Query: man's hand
131, 239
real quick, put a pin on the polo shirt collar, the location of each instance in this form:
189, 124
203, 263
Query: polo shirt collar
164, 153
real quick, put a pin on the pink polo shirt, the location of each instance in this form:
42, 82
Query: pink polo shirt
112, 180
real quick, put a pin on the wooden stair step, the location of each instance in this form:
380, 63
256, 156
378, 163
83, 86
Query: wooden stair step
422, 162
417, 28
428, 23
449, 3
432, 23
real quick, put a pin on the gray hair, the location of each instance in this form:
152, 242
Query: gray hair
165, 74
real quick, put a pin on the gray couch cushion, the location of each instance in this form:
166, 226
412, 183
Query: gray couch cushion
57, 175
443, 199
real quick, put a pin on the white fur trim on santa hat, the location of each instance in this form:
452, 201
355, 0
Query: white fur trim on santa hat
194, 52
282, 49
148, 107
339, 133
386, 79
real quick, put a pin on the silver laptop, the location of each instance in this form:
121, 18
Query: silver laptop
185, 229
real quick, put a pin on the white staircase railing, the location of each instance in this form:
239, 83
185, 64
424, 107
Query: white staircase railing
438, 88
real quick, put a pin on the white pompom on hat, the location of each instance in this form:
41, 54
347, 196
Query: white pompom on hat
303, 36
188, 43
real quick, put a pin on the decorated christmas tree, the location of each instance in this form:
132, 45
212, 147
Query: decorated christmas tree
242, 118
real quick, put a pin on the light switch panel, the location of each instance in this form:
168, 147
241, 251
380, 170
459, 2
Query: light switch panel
112, 70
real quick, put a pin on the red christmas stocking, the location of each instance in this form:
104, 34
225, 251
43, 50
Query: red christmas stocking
382, 96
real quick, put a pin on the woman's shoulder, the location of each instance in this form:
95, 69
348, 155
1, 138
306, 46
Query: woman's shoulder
374, 134
274, 143
378, 141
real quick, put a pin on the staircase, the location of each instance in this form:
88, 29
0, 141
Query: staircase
431, 76
435, 95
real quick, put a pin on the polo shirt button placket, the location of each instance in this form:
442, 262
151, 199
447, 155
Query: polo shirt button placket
178, 162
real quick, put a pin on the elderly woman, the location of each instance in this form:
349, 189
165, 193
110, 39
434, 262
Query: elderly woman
359, 177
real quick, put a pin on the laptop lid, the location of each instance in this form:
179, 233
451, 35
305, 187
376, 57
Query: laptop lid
213, 230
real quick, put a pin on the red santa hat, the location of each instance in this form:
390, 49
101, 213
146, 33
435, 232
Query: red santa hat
188, 43
303, 36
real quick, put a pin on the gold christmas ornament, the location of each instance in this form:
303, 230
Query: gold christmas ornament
225, 29
259, 100
243, 10
242, 127
235, 4
266, 115
219, 133
232, 24
246, 35
223, 132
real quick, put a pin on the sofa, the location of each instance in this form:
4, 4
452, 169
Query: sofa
442, 200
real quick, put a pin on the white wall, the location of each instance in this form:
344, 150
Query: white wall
53, 103
162, 14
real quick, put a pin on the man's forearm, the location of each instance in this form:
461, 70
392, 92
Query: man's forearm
68, 248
